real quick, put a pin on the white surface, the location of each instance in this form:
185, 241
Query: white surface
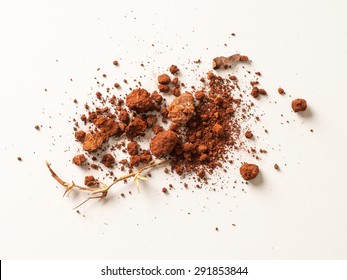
299, 212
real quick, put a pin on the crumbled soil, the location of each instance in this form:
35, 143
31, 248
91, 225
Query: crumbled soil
93, 142
79, 159
198, 128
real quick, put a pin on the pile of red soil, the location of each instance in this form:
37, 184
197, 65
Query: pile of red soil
197, 130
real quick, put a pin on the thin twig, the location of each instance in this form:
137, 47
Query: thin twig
133, 174
102, 190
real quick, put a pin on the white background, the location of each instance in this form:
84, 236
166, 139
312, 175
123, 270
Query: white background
297, 213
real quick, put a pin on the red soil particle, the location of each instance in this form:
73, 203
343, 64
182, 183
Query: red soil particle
79, 159
84, 118
108, 160
254, 83
175, 81
115, 63
176, 92
19, 159
255, 92
135, 160
37, 127
164, 79
280, 90
133, 148
218, 100
182, 108
93, 142
157, 97
146, 157
140, 101
202, 149
276, 166
151, 120
249, 171
157, 128
164, 112
80, 135
173, 69
218, 130
108, 127
299, 105
188, 147
164, 190
123, 116
163, 143
136, 127
199, 95
203, 157
249, 134
94, 166
164, 88
262, 91
244, 58
90, 181
116, 85
179, 169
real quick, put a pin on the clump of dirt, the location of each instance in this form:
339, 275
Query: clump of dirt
182, 108
299, 105
173, 69
163, 143
108, 160
79, 159
93, 142
249, 171
140, 101
164, 79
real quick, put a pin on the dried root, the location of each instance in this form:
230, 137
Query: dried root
100, 192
